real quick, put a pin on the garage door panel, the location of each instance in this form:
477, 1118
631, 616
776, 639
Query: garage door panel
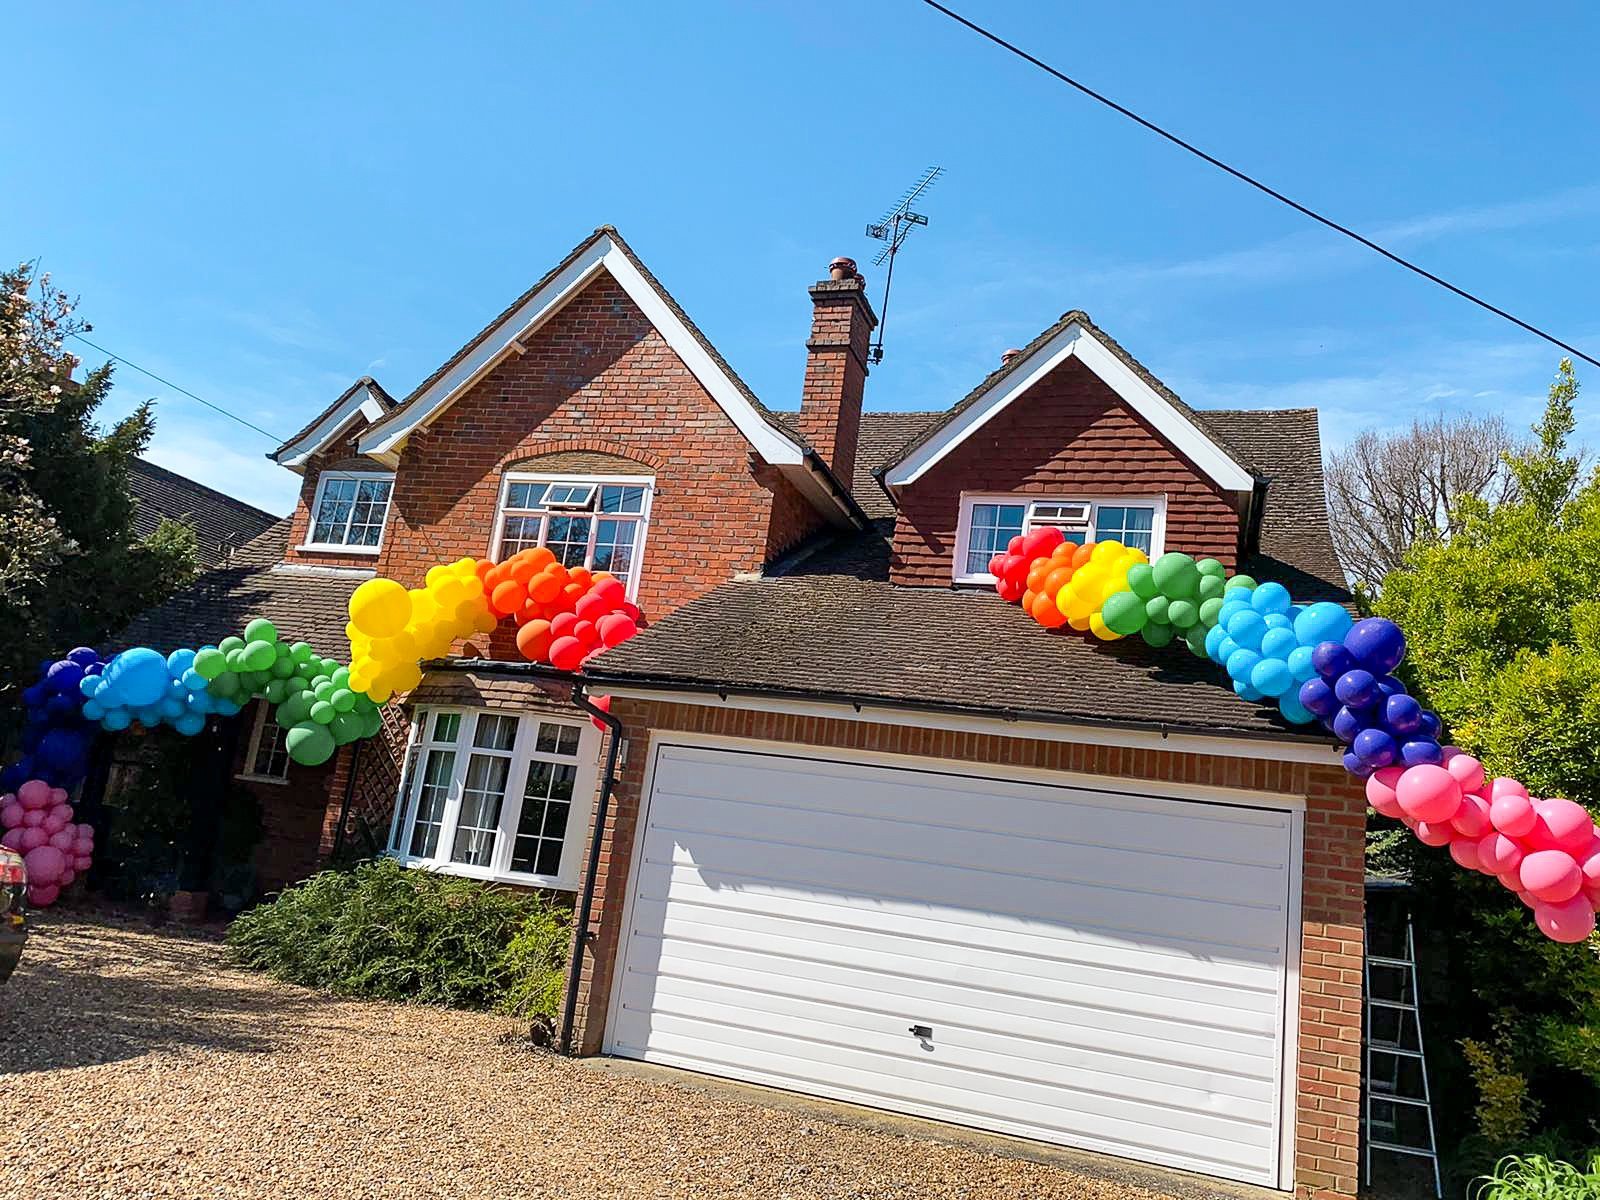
1101, 970
1187, 875
1092, 817
729, 861
1046, 1047
834, 917
1133, 1125
765, 946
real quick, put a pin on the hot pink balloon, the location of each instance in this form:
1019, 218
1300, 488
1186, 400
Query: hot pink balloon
1472, 821
1512, 812
1467, 770
33, 818
1529, 899
43, 897
81, 862
1561, 825
32, 839
45, 864
1428, 793
64, 811
1435, 833
58, 795
1465, 852
1551, 875
11, 815
12, 839
1380, 791
1569, 921
62, 841
1501, 853
34, 794
67, 876
53, 824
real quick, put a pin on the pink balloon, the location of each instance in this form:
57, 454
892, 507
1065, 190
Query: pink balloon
1512, 812
32, 839
67, 876
11, 815
1551, 875
12, 839
1435, 833
34, 794
1592, 894
1467, 770
53, 824
62, 841
1465, 852
45, 864
1561, 825
1472, 820
43, 897
1428, 793
1529, 899
1589, 864
1380, 791
1501, 853
1569, 921
64, 811
81, 862
33, 818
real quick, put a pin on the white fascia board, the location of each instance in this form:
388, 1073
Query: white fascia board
512, 333
1222, 745
1077, 341
361, 402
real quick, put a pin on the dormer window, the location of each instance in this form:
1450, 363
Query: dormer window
988, 523
349, 513
595, 521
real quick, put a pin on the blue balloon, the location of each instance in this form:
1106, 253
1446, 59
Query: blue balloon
1244, 691
224, 707
178, 662
1240, 663
1431, 727
115, 719
1247, 629
1377, 644
92, 710
63, 676
1270, 598
1347, 724
1356, 689
1293, 711
193, 681
89, 685
1317, 698
1226, 649
62, 748
1300, 664
1374, 747
190, 724
1271, 677
1420, 752
139, 677
1332, 660
1402, 714
1356, 767
84, 656
1278, 621
172, 709
1214, 637
1279, 643
1323, 621
62, 708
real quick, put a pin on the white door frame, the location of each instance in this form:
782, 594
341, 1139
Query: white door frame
1286, 1073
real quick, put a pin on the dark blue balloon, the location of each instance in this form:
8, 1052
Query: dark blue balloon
1431, 726
35, 695
84, 656
1356, 689
1377, 644
1420, 751
1356, 767
1388, 685
63, 748
1318, 698
1402, 714
11, 778
63, 707
63, 676
94, 668
1346, 724
1374, 747
1331, 660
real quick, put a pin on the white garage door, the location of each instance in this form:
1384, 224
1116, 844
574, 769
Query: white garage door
1083, 966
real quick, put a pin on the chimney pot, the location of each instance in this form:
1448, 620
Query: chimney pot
843, 268
1007, 357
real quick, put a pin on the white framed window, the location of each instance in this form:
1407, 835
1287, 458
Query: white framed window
493, 794
988, 523
349, 512
597, 522
266, 759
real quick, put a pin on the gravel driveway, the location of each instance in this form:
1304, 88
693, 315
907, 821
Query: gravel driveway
134, 1064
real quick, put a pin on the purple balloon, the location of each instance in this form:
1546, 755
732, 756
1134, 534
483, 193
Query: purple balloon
1356, 689
1331, 660
1421, 751
1374, 747
1346, 724
1402, 714
1356, 767
63, 676
1377, 644
1431, 726
1318, 698
1390, 686
84, 656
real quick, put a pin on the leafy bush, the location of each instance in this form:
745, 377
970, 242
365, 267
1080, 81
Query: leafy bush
1535, 1177
384, 932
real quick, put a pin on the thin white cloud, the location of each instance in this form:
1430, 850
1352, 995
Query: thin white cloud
244, 474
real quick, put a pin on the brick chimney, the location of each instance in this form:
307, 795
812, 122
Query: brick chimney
842, 322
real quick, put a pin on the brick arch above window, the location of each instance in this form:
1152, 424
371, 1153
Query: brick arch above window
590, 455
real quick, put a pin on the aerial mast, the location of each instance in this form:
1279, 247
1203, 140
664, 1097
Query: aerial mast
892, 229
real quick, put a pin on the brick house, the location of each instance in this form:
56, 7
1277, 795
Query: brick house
871, 834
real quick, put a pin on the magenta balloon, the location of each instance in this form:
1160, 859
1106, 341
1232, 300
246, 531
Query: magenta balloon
1512, 813
64, 811
45, 864
12, 839
1428, 793
58, 795
1551, 875
11, 815
34, 794
1562, 825
81, 862
1501, 853
67, 876
32, 839
63, 840
33, 818
53, 824
1569, 921
1467, 770
43, 897
1465, 852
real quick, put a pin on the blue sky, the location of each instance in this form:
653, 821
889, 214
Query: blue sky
262, 203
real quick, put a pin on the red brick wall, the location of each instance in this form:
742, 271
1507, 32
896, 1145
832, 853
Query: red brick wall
836, 373
1070, 435
340, 456
1332, 903
597, 377
297, 815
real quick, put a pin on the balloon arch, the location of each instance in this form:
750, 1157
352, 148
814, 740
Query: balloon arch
1313, 661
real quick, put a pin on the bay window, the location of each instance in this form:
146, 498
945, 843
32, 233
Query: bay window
495, 795
988, 523
596, 522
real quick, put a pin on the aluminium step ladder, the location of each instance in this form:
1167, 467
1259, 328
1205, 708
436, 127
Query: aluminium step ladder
1397, 1069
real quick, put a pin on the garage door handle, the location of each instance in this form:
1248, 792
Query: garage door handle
925, 1032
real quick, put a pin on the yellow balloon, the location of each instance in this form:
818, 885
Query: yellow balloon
380, 608
1098, 628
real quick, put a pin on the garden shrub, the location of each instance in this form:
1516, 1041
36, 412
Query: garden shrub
1537, 1177
383, 932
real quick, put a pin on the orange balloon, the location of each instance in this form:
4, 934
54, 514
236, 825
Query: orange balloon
1037, 573
1045, 612
1062, 554
1027, 600
1056, 580
1081, 554
507, 597
533, 639
523, 570
581, 575
574, 591
558, 571
482, 567
544, 587
540, 557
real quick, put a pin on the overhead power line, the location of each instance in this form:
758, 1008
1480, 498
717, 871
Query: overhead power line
232, 416
1257, 184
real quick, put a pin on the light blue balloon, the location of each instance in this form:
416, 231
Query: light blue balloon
1240, 663
1244, 691
1225, 650
92, 711
1323, 621
1247, 629
224, 707
172, 709
201, 702
1278, 642
189, 724
1214, 637
149, 716
1271, 677
1300, 664
139, 676
90, 684
178, 662
1278, 621
1270, 598
115, 719
193, 681
1293, 711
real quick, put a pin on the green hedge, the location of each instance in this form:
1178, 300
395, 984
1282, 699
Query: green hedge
387, 933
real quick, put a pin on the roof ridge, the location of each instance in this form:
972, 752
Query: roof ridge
232, 501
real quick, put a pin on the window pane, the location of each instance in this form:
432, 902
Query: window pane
333, 511
445, 727
568, 540
272, 751
1130, 525
521, 533
371, 506
431, 797
620, 498
993, 525
480, 808
524, 495
557, 739
495, 731
613, 547
542, 827
575, 495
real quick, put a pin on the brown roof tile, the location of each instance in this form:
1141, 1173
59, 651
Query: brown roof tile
221, 524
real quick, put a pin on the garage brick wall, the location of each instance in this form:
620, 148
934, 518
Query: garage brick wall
1068, 435
1329, 1004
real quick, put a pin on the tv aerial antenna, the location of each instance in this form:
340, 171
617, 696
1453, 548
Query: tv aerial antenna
893, 228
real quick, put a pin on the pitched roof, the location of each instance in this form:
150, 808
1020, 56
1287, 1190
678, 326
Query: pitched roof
365, 395
221, 524
881, 435
305, 604
1075, 334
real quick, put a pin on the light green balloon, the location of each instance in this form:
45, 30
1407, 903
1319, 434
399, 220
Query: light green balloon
1183, 613
1124, 613
1212, 586
309, 744
261, 630
1211, 568
1240, 581
258, 656
322, 712
1156, 609
300, 652
210, 662
1141, 581
230, 643
342, 699
1158, 635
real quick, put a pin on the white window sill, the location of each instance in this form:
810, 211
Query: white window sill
985, 578
325, 548
278, 780
551, 882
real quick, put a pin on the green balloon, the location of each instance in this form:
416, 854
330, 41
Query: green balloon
210, 662
329, 666
235, 659
1141, 580
365, 704
324, 689
341, 677
261, 630
1209, 610
1211, 586
1158, 635
276, 692
230, 643
225, 685
1183, 613
305, 670
1176, 576
309, 745
1123, 613
1156, 609
322, 712
1240, 581
343, 700
282, 667
1195, 639
1211, 569
295, 710
371, 721
300, 652
258, 656
346, 727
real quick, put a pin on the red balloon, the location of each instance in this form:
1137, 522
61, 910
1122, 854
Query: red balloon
1014, 546
612, 590
603, 703
566, 653
615, 628
1041, 542
561, 624
997, 564
586, 633
591, 607
631, 609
